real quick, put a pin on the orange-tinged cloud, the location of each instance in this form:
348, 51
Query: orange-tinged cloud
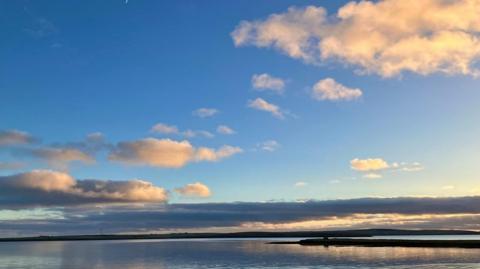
384, 37
53, 187
167, 153
194, 190
369, 164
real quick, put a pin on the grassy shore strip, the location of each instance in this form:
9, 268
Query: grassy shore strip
251, 234
387, 243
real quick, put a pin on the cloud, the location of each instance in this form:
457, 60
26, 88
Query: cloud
153, 152
269, 145
384, 37
52, 188
372, 176
194, 190
300, 184
224, 129
15, 137
11, 165
92, 144
162, 128
262, 82
205, 112
212, 155
329, 89
402, 212
371, 164
197, 133
260, 104
62, 156
166, 153
372, 167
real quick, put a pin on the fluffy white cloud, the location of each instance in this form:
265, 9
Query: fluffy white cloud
224, 129
265, 81
260, 104
385, 37
166, 153
205, 112
15, 137
369, 164
58, 188
163, 128
194, 190
329, 89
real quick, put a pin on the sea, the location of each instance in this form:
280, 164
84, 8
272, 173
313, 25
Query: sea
229, 253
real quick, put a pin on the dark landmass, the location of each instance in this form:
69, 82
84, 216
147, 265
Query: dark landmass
299, 234
387, 243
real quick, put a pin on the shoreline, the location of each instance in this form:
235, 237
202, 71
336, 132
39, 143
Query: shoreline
315, 235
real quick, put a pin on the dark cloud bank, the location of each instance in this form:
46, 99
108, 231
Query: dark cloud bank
454, 212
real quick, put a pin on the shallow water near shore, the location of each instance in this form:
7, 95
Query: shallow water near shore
226, 253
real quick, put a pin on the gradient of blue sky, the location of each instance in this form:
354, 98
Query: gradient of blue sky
73, 68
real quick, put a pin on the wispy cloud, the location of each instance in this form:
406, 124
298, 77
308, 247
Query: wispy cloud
269, 145
300, 184
205, 112
329, 89
15, 137
262, 105
384, 37
264, 82
224, 129
165, 129
11, 165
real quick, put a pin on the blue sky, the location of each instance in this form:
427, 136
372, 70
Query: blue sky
74, 68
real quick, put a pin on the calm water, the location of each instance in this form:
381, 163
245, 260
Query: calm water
223, 254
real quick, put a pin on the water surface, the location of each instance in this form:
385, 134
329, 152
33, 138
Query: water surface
212, 253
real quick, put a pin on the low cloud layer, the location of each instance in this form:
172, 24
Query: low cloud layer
52, 188
167, 153
431, 213
384, 37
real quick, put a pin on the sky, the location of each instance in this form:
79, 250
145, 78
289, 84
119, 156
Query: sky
234, 116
